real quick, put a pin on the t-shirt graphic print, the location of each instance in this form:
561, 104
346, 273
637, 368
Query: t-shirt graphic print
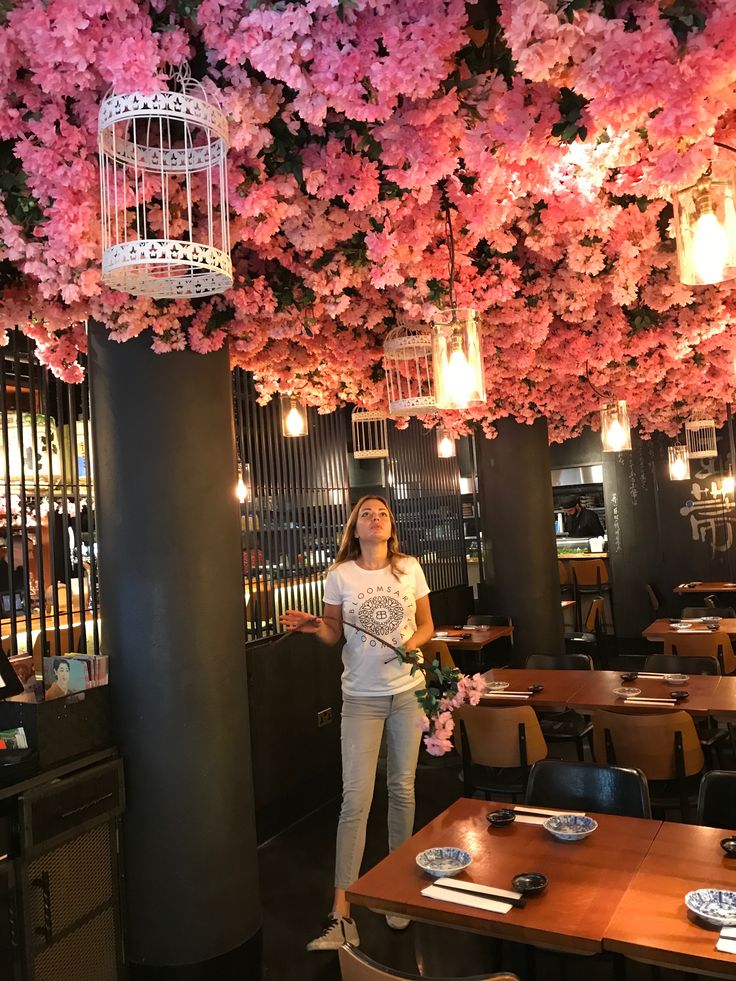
381, 604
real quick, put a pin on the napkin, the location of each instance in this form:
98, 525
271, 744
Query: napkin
465, 899
727, 942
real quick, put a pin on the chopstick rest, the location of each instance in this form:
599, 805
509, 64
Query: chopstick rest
477, 888
467, 899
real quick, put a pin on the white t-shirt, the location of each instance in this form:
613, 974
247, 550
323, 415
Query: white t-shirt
377, 601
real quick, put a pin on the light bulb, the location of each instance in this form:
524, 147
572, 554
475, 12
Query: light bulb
678, 470
710, 248
459, 378
445, 447
241, 490
615, 437
294, 422
727, 485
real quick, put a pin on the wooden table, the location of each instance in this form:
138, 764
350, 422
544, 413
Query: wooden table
651, 922
596, 692
688, 588
660, 629
479, 638
560, 687
587, 879
723, 701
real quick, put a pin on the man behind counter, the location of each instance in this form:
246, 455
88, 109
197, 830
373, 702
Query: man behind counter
583, 522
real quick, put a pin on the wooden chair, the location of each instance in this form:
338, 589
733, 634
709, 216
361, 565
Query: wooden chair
589, 786
665, 747
591, 637
692, 612
715, 643
568, 725
717, 799
498, 746
438, 650
566, 584
357, 966
654, 595
589, 578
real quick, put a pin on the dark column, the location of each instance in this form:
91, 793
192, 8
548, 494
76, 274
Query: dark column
173, 625
519, 552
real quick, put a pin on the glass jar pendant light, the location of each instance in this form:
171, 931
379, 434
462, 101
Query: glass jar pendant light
678, 461
705, 223
615, 427
294, 419
457, 356
446, 448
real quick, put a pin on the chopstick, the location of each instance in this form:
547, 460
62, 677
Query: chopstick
650, 701
543, 812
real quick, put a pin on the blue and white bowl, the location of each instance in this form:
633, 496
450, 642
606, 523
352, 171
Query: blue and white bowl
715, 906
570, 827
439, 862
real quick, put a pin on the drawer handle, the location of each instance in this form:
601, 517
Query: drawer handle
85, 807
47, 930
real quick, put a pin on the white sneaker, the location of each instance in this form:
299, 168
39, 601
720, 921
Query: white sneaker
397, 922
336, 931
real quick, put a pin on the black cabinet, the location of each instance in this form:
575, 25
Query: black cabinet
60, 906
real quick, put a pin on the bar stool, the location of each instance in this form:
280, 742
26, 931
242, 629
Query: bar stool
590, 578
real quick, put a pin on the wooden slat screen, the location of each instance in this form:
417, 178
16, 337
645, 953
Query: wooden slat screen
48, 585
424, 492
297, 505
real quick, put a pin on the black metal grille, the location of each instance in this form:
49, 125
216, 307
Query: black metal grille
48, 567
424, 492
296, 506
72, 909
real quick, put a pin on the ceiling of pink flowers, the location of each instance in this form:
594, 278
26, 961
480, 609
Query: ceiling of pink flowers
555, 132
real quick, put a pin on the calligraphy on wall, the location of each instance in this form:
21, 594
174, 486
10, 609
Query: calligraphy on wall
710, 508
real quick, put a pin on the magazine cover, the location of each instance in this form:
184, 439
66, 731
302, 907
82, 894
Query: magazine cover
64, 676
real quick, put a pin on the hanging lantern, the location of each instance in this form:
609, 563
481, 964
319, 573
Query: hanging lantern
615, 427
163, 178
728, 484
31, 456
446, 448
678, 460
700, 436
705, 223
370, 439
458, 360
407, 363
242, 489
294, 419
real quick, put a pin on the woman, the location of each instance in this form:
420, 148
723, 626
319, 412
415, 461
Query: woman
62, 677
372, 587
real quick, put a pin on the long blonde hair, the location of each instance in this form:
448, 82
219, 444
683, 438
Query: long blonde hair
350, 546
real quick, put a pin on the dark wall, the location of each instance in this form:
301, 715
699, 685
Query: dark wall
584, 450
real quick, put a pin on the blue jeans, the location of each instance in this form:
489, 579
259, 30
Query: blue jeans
363, 720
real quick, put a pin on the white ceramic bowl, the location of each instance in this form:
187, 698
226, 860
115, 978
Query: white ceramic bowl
497, 685
715, 906
626, 692
676, 679
443, 861
570, 827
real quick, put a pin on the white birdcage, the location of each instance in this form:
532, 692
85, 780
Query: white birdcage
164, 196
370, 438
407, 362
700, 437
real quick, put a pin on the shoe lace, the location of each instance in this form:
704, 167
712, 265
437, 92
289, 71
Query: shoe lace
330, 923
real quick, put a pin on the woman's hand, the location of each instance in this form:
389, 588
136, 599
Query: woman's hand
304, 623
